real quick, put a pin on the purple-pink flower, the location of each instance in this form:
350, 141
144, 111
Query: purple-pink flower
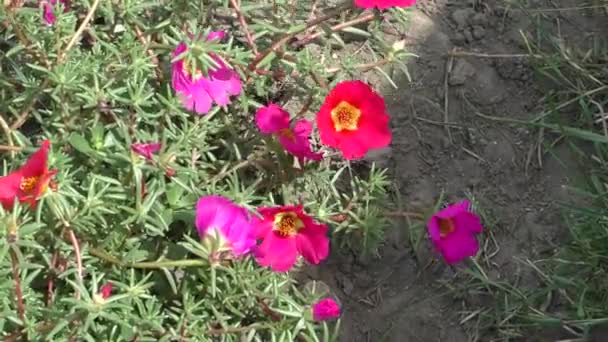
273, 119
146, 150
326, 309
217, 215
453, 231
48, 5
198, 91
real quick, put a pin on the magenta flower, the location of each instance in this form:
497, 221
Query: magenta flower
273, 119
106, 290
453, 230
326, 309
218, 215
286, 232
48, 5
146, 150
199, 91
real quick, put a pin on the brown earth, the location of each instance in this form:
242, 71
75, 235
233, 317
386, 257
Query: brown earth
398, 295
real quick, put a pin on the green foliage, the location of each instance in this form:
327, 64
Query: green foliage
94, 92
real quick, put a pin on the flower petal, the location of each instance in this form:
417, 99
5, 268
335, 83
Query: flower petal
457, 246
277, 253
36, 165
454, 210
9, 188
271, 119
469, 222
214, 212
312, 242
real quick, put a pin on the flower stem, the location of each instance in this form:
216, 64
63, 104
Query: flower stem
8, 133
287, 37
51, 279
244, 26
78, 257
78, 33
339, 27
236, 330
18, 292
103, 255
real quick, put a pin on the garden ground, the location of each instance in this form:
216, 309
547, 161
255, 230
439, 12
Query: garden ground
473, 61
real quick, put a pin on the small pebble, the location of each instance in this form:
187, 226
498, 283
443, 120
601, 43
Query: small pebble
468, 35
478, 32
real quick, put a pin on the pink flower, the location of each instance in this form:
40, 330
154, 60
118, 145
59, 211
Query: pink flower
273, 119
48, 6
106, 290
288, 232
384, 3
199, 91
218, 215
146, 150
453, 230
326, 309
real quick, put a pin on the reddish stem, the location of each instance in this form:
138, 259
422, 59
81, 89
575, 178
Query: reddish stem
245, 27
76, 247
287, 37
18, 292
51, 279
307, 39
269, 312
140, 37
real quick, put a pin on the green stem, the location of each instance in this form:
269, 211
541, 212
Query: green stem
169, 263
103, 255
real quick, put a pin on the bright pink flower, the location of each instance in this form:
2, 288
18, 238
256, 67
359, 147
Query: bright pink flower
288, 232
48, 5
453, 230
326, 309
199, 91
218, 215
106, 290
273, 119
146, 150
384, 3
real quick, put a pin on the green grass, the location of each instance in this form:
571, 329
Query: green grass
573, 294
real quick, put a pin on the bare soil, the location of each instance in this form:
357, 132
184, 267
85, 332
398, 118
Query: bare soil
398, 295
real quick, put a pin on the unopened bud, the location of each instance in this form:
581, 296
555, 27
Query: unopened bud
399, 45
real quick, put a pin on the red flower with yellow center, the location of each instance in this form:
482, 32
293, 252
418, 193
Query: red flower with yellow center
286, 233
354, 120
29, 182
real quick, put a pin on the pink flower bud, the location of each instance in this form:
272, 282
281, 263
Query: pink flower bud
106, 290
326, 309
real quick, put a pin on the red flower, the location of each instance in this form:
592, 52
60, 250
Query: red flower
286, 232
384, 3
28, 183
353, 119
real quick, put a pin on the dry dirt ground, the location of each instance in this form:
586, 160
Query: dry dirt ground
398, 295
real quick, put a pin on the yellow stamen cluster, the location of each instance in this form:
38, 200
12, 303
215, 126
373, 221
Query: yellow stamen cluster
287, 224
28, 183
345, 117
